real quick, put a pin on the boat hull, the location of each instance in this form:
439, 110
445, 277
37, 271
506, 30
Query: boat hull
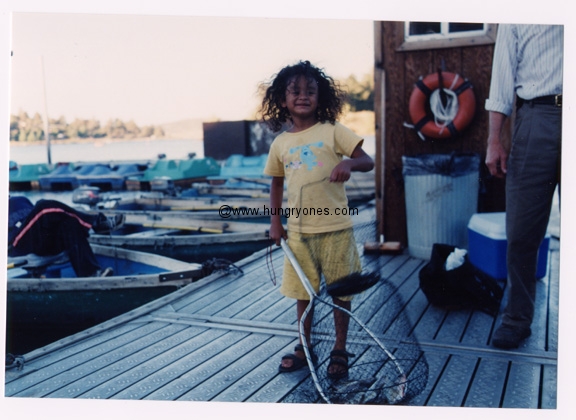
42, 310
186, 236
190, 248
37, 318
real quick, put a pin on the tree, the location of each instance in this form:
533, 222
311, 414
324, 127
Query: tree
132, 129
360, 93
147, 131
23, 128
158, 132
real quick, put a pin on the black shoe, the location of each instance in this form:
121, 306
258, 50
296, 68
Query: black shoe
509, 337
297, 362
105, 225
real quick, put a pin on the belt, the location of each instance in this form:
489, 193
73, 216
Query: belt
555, 100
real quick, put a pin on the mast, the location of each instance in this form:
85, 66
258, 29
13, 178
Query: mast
46, 125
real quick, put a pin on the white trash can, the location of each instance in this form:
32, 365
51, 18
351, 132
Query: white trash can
441, 194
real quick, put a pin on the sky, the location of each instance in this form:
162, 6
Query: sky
160, 69
161, 61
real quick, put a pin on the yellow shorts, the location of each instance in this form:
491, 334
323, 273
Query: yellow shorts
333, 254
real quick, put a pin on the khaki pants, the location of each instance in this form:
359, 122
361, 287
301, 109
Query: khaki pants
332, 254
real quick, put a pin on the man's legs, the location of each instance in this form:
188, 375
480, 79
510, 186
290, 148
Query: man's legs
530, 183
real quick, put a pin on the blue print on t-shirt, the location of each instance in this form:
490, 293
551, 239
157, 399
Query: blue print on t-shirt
307, 157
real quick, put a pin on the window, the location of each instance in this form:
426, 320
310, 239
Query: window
430, 35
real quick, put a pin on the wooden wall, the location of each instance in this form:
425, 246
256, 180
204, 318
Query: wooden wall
396, 71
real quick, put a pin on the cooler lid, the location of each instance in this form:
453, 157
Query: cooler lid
491, 225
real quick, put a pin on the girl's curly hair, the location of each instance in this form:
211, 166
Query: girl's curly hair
330, 95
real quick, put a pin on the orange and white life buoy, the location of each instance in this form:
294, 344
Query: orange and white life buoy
441, 118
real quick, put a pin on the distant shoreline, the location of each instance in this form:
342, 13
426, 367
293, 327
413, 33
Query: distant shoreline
91, 140
361, 122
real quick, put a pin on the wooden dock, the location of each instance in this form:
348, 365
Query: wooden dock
220, 340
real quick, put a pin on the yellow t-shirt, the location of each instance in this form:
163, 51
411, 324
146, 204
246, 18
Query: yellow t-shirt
306, 159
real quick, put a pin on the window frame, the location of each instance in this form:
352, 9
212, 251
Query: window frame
443, 40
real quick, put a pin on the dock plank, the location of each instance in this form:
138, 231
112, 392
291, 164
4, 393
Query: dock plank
166, 383
549, 381
436, 367
221, 339
258, 353
117, 362
40, 370
523, 386
479, 329
86, 363
258, 385
450, 389
162, 369
152, 357
488, 384
207, 364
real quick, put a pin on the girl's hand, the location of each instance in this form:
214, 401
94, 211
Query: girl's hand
277, 232
341, 172
359, 161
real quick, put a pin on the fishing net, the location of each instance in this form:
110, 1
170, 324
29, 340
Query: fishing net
385, 362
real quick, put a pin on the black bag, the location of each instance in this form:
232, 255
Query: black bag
464, 287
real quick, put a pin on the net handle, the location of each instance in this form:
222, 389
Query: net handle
310, 290
292, 258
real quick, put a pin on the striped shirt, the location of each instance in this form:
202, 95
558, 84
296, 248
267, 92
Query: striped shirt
527, 62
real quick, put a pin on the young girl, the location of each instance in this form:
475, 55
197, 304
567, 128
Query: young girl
309, 154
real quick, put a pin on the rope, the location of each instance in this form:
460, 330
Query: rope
443, 115
270, 265
220, 265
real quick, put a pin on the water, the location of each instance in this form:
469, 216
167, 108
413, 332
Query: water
111, 150
118, 150
105, 150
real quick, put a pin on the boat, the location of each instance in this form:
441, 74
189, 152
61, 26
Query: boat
360, 188
209, 199
235, 187
243, 176
68, 176
45, 299
111, 177
26, 177
172, 173
240, 176
186, 236
182, 202
204, 206
243, 167
179, 244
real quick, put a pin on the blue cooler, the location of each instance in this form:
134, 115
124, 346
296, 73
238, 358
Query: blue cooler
487, 246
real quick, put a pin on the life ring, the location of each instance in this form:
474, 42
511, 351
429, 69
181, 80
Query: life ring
425, 116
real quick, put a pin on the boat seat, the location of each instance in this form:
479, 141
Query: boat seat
152, 232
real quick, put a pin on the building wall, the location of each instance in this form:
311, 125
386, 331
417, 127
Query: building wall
396, 71
225, 138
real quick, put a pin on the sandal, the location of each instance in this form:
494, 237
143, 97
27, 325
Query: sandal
297, 362
338, 358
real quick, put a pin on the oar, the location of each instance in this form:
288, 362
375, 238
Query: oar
15, 264
193, 228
